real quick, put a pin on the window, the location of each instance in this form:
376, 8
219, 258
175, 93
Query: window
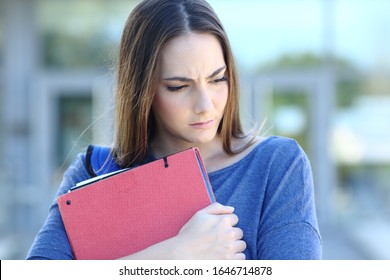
73, 129
81, 34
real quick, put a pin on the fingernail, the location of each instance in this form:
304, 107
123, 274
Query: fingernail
231, 207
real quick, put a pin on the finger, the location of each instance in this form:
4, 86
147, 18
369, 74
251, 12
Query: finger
218, 209
229, 219
240, 246
237, 233
234, 219
239, 256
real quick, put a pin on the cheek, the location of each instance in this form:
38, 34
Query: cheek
165, 108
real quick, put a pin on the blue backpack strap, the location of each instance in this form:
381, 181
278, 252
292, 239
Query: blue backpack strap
99, 160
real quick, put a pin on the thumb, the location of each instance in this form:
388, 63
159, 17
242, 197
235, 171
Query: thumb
218, 209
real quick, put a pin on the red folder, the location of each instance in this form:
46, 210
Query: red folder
129, 211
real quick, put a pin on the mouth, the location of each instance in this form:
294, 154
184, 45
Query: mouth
206, 124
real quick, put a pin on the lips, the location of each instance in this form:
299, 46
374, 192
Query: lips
206, 124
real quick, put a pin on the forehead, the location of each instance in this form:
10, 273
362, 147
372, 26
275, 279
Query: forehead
191, 54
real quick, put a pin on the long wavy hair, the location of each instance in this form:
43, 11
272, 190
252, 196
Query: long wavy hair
149, 27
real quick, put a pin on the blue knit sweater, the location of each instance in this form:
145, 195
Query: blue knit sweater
271, 190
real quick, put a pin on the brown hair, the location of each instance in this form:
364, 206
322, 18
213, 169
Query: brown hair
149, 27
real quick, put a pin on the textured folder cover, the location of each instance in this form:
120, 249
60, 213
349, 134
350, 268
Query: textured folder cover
131, 210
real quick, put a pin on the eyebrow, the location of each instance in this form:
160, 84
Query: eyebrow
184, 79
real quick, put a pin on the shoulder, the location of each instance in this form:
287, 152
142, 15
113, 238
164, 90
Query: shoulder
264, 153
278, 143
287, 165
285, 149
96, 160
281, 155
276, 148
75, 173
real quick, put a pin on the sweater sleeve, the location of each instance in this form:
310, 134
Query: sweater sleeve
288, 223
51, 242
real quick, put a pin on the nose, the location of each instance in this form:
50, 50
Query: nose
203, 102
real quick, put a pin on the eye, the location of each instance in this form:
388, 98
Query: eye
223, 79
175, 89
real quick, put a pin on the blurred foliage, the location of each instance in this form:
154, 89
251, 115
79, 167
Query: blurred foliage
365, 183
304, 60
296, 99
65, 50
348, 90
80, 34
349, 81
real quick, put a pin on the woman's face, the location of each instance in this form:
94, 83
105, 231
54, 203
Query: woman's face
192, 92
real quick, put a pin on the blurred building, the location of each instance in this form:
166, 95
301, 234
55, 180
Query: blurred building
56, 85
54, 102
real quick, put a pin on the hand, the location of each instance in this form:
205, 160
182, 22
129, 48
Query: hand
210, 234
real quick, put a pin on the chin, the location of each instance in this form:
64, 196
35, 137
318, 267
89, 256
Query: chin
202, 140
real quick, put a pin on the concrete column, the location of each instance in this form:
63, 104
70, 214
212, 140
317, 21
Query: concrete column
323, 167
20, 63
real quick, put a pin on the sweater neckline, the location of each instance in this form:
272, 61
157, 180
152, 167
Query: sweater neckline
244, 159
151, 157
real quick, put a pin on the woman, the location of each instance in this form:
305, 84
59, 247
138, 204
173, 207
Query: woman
177, 88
